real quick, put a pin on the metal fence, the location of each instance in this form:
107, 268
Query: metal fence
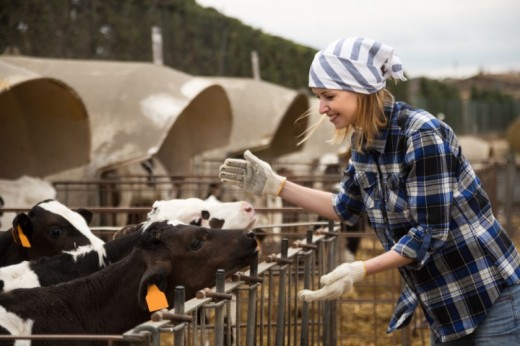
261, 301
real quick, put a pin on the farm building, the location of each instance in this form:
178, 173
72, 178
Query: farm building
110, 131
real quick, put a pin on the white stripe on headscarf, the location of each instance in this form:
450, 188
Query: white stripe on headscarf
355, 64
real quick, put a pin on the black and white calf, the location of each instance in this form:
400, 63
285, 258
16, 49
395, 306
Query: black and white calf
205, 213
46, 230
89, 259
66, 266
213, 213
113, 300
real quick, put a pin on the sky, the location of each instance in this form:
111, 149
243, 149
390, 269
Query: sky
435, 39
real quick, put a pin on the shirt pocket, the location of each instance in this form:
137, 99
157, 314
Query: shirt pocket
396, 198
369, 188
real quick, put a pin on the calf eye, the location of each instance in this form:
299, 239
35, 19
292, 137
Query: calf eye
56, 232
196, 244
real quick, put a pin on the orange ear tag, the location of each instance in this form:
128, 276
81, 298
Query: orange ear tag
156, 299
23, 237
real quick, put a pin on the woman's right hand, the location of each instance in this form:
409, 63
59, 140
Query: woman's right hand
252, 174
336, 283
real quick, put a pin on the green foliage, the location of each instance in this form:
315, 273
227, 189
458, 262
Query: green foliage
399, 90
196, 40
201, 41
440, 98
489, 95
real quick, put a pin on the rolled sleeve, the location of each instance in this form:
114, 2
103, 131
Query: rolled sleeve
415, 245
350, 212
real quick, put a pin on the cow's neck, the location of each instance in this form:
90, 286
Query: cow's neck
116, 288
120, 247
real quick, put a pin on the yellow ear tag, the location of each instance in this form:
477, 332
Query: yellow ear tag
156, 299
23, 237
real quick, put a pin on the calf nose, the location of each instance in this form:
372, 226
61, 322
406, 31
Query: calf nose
248, 208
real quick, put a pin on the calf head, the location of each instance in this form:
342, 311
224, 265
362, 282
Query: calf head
210, 214
189, 256
50, 228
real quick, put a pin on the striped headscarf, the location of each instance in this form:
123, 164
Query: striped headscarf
355, 64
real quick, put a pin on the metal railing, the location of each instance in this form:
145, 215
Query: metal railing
261, 301
263, 304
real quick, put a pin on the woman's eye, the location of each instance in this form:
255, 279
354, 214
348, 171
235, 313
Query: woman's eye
56, 232
196, 244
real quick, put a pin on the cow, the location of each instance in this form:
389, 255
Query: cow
46, 230
208, 213
87, 259
66, 266
115, 299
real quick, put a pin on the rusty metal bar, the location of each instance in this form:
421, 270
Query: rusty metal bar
280, 319
251, 306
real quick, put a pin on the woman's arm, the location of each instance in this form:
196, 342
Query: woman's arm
386, 261
316, 201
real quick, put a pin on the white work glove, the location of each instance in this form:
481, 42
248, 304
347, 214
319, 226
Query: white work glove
336, 283
252, 174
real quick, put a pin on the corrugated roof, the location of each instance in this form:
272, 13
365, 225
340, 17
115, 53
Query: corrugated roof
138, 110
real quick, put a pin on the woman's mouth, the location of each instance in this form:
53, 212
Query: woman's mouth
332, 117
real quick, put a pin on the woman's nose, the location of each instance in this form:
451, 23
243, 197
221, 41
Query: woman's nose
323, 107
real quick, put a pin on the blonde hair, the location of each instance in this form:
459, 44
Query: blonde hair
370, 118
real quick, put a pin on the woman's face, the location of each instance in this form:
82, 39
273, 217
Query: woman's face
339, 105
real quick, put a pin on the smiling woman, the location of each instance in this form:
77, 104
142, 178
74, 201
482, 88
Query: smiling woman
425, 203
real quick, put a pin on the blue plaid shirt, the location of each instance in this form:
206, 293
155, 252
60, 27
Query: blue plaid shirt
425, 202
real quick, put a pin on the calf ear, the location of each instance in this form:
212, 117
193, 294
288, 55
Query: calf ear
260, 234
87, 214
156, 274
22, 221
128, 229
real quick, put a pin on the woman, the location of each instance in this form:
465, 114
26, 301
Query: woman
423, 199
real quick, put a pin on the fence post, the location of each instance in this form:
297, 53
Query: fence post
330, 307
304, 333
178, 304
251, 311
219, 309
280, 320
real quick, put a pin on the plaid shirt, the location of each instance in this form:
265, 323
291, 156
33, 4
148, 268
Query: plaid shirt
425, 202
